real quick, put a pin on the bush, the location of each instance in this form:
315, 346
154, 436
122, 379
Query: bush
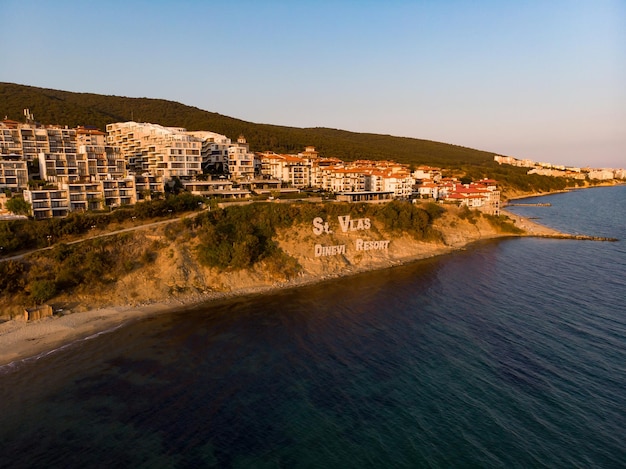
42, 290
503, 223
12, 277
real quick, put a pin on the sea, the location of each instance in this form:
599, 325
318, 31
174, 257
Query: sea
510, 353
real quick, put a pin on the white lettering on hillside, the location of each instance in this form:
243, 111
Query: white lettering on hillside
362, 245
345, 223
322, 251
348, 224
320, 226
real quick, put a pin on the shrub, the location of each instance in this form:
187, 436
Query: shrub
42, 290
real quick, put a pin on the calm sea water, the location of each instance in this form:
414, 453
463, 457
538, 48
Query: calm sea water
509, 354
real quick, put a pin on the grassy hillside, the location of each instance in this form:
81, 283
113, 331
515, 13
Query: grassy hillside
67, 108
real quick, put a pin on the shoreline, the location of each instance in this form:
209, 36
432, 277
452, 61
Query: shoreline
564, 191
22, 342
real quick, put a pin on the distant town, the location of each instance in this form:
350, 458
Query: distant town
58, 170
548, 169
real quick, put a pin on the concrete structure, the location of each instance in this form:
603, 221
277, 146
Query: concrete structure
220, 188
482, 195
365, 196
161, 151
29, 139
84, 196
13, 173
38, 312
240, 164
48, 203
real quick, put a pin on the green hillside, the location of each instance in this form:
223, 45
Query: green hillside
72, 109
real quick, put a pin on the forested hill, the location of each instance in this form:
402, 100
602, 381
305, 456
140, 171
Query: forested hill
72, 109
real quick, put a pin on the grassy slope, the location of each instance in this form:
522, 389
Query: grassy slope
72, 109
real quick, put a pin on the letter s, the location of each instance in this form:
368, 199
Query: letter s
318, 226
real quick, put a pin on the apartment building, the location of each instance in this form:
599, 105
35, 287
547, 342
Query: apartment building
482, 195
13, 173
292, 169
240, 164
168, 152
84, 196
97, 159
400, 184
214, 150
48, 203
29, 140
118, 192
339, 179
147, 186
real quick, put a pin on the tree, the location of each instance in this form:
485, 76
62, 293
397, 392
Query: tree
18, 206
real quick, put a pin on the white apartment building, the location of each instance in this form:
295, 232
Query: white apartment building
161, 151
294, 170
13, 173
400, 184
48, 203
29, 140
426, 173
240, 165
214, 149
97, 159
84, 196
601, 174
148, 186
342, 180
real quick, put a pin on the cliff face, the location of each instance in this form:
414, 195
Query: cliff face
163, 264
176, 272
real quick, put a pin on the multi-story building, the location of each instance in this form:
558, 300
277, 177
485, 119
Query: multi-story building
13, 173
48, 203
214, 150
400, 184
240, 165
148, 186
84, 196
161, 151
482, 195
339, 179
97, 159
118, 192
29, 140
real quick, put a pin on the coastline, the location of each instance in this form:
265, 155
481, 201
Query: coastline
21, 342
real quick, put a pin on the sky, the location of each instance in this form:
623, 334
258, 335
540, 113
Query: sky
544, 80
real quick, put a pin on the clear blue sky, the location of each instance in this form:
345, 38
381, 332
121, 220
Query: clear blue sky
535, 79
